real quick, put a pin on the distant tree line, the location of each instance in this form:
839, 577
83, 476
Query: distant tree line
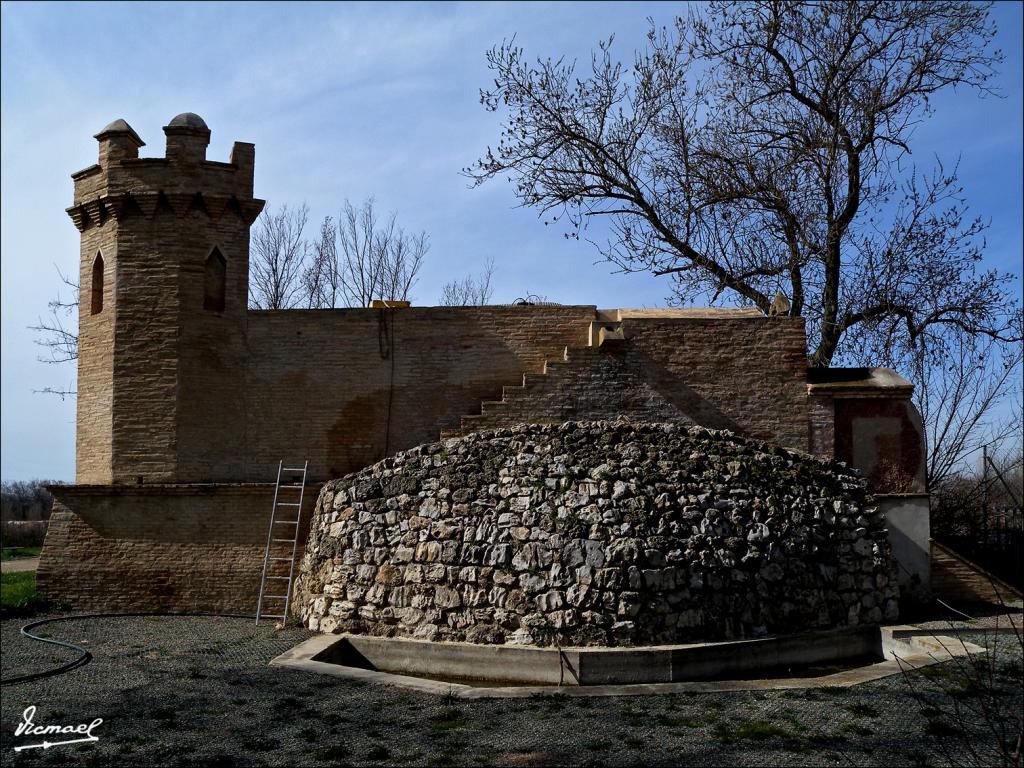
26, 500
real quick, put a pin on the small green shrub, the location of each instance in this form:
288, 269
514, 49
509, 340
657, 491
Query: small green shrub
17, 553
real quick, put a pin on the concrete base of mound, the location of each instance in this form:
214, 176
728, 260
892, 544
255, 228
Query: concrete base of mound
482, 671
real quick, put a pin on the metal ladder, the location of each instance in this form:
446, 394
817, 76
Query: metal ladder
276, 538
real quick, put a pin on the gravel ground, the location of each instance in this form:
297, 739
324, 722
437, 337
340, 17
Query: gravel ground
198, 691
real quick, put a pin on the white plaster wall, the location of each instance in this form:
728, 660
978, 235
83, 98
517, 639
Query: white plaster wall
907, 518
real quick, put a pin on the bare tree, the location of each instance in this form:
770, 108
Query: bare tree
58, 334
761, 147
277, 258
961, 397
375, 258
470, 291
322, 278
967, 388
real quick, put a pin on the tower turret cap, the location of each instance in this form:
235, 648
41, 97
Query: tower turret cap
188, 120
119, 126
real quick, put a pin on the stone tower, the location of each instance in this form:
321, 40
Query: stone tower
162, 320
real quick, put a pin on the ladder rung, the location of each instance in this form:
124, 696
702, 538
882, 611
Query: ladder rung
296, 480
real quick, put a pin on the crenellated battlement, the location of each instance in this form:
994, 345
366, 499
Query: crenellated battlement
182, 182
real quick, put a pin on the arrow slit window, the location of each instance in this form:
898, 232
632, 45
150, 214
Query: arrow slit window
96, 305
214, 282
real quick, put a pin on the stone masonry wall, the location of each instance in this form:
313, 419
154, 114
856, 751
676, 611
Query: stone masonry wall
173, 389
595, 534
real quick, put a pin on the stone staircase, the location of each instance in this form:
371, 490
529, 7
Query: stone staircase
542, 396
957, 580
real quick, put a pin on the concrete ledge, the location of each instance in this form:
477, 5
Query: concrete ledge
600, 666
897, 648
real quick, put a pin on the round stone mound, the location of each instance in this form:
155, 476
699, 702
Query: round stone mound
596, 533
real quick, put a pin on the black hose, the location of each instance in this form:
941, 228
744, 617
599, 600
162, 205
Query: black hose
86, 656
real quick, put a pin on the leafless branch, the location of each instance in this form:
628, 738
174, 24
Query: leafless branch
58, 334
277, 259
755, 148
472, 290
376, 259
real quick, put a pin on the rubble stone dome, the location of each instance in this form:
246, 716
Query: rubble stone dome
596, 533
188, 120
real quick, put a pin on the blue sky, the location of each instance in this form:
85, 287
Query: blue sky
345, 100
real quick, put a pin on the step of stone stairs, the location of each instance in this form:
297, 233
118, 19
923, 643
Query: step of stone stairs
511, 393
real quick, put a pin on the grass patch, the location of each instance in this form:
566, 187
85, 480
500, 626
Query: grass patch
448, 720
792, 718
857, 729
631, 741
333, 753
17, 553
752, 730
862, 710
18, 596
378, 753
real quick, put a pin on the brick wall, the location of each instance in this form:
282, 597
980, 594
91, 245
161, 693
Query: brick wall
95, 388
345, 387
159, 547
747, 375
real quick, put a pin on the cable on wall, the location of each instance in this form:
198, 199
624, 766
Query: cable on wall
386, 347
